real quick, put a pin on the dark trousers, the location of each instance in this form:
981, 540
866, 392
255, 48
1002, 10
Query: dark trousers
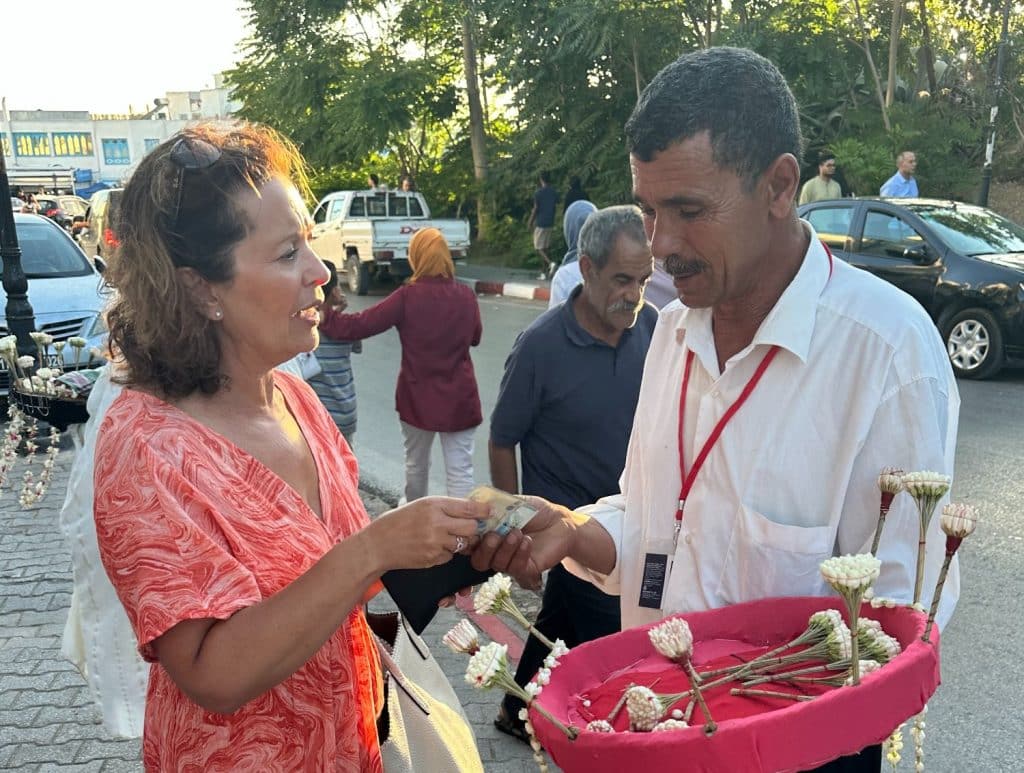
574, 611
869, 760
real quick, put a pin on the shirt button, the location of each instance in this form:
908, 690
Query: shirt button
716, 393
689, 540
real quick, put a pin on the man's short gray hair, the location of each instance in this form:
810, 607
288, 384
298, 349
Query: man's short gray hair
602, 227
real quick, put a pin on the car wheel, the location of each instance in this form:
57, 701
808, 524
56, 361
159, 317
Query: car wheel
974, 343
358, 275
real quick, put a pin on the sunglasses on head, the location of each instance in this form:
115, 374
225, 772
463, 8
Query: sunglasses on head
190, 153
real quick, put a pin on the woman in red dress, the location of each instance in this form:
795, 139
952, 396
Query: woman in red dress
438, 320
226, 504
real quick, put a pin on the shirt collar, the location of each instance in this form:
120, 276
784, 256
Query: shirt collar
790, 323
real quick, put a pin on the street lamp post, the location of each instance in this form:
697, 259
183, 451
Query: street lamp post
997, 90
21, 319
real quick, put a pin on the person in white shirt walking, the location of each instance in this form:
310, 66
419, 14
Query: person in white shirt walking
799, 377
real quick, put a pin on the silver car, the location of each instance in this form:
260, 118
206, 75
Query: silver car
63, 287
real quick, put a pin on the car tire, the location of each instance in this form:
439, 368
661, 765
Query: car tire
358, 275
974, 343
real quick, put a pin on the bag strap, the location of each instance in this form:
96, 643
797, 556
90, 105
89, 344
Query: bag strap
398, 678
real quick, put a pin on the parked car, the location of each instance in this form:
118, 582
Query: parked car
367, 233
963, 263
97, 236
62, 209
63, 288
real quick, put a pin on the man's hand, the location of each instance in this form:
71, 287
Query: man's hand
527, 554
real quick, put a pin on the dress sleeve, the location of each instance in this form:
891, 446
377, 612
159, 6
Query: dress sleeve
158, 546
518, 396
376, 319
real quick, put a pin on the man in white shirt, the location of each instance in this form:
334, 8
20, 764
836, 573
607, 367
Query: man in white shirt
844, 375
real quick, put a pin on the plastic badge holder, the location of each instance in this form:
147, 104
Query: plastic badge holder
754, 734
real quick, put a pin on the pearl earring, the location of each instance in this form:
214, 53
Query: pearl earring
218, 314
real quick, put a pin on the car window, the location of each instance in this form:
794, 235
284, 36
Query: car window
887, 236
398, 205
832, 225
321, 214
358, 208
45, 204
415, 210
47, 252
336, 211
974, 231
376, 205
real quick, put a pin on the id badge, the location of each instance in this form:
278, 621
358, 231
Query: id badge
658, 557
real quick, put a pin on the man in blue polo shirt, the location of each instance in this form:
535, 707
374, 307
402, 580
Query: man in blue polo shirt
902, 185
567, 400
542, 221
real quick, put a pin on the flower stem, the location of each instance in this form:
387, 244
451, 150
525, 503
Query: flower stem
709, 725
571, 732
513, 611
770, 694
883, 511
919, 581
938, 593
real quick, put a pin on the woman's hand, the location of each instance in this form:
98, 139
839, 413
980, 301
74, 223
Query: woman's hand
426, 532
527, 554
337, 300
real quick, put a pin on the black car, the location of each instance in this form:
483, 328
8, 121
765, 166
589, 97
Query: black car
963, 263
62, 209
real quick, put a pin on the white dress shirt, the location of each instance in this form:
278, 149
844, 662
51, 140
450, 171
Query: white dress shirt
861, 382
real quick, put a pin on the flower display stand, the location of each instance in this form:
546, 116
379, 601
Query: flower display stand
773, 735
58, 412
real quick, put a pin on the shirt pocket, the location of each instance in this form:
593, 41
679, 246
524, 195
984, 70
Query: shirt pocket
767, 559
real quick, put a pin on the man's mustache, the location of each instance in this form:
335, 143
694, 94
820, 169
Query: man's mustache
679, 266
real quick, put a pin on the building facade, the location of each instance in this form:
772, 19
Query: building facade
61, 151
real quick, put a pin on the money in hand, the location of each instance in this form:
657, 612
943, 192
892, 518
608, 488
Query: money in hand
507, 510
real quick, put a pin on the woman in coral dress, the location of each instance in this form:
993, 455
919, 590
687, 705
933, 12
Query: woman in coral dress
227, 512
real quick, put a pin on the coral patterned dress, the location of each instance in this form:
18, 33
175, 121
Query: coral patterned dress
190, 526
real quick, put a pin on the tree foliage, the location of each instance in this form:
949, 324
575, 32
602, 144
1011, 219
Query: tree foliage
380, 86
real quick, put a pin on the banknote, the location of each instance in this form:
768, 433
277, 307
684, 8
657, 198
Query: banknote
507, 510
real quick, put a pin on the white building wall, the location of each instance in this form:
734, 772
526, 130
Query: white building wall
129, 132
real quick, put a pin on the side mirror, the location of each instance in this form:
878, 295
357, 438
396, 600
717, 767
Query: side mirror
100, 263
917, 254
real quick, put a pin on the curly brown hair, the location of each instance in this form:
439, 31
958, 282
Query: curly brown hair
173, 217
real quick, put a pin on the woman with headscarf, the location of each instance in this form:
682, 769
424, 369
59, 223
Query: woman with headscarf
438, 320
568, 274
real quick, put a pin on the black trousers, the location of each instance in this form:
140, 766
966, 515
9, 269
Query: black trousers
869, 760
572, 610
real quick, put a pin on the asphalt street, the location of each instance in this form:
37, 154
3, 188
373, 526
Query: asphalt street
974, 720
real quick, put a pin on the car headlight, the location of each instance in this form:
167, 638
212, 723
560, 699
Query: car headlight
97, 328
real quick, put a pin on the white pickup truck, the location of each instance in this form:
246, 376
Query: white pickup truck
367, 233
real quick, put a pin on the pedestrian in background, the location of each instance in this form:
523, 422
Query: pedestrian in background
575, 192
542, 221
438, 320
335, 384
407, 183
567, 400
31, 206
822, 186
903, 184
568, 274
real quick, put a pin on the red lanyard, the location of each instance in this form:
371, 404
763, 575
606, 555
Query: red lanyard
691, 476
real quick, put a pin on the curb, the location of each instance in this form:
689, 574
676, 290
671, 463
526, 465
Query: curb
526, 292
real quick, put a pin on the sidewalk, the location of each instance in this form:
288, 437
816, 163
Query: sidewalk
511, 282
47, 719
